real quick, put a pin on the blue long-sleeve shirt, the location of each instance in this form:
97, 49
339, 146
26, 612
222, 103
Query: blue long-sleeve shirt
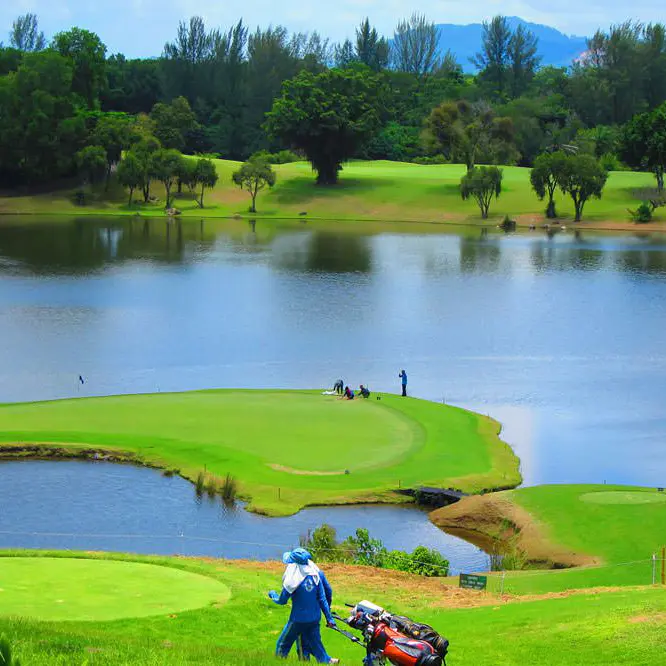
308, 601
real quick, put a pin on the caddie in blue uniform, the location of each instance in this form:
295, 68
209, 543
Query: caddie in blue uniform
302, 582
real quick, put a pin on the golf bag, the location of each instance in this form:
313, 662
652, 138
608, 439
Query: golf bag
395, 638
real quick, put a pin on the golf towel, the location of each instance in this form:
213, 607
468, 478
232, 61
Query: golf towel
295, 574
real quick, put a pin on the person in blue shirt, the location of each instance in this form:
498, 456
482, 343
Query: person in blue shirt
305, 651
303, 584
403, 376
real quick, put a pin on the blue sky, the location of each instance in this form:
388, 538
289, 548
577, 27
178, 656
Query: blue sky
140, 27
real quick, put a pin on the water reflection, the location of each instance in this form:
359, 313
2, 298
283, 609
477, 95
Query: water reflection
85, 245
326, 252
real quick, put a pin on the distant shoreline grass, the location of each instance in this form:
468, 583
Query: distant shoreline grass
368, 191
286, 449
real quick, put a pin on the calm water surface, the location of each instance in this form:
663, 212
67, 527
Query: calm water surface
101, 506
561, 339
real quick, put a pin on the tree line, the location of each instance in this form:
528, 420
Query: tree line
66, 106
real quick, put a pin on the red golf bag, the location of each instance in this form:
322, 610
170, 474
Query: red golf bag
394, 638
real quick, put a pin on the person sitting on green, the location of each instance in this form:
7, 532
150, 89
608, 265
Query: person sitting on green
364, 391
349, 394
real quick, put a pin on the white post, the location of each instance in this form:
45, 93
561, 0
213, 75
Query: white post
654, 568
502, 585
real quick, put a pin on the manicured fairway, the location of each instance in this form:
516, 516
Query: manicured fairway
286, 448
626, 627
83, 589
375, 190
620, 527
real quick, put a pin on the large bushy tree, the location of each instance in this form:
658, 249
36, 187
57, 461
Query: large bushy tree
464, 130
165, 167
644, 143
482, 184
582, 177
328, 116
545, 178
88, 56
254, 175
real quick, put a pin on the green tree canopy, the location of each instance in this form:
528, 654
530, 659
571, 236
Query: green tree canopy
88, 55
112, 132
644, 143
253, 176
131, 173
40, 129
463, 130
173, 122
91, 162
482, 184
25, 34
545, 178
582, 178
328, 116
371, 49
165, 167
414, 48
205, 176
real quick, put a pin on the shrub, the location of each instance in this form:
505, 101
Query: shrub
642, 214
364, 550
431, 159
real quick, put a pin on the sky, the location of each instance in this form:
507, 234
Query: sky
139, 28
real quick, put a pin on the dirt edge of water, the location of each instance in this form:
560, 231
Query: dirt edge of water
493, 522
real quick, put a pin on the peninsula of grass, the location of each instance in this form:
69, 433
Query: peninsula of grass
595, 628
606, 533
379, 190
285, 449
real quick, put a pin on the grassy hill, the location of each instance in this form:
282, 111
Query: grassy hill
612, 531
236, 624
287, 449
380, 190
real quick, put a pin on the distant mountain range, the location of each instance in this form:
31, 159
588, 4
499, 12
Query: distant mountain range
555, 48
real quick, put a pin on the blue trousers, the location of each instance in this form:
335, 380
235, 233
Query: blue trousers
310, 635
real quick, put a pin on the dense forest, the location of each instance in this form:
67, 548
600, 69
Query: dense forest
67, 106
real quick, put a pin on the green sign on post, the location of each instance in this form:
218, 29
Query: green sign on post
473, 582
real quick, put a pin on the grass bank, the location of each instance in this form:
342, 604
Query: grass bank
608, 533
286, 449
379, 190
594, 628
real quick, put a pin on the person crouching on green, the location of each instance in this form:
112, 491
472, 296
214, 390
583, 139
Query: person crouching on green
302, 583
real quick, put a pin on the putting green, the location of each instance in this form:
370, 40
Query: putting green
49, 588
286, 449
624, 497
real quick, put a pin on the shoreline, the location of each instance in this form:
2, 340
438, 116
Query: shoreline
524, 222
499, 526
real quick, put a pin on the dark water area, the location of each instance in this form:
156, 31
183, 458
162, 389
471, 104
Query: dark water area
560, 338
75, 505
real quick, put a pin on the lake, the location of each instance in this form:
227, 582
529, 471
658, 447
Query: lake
560, 338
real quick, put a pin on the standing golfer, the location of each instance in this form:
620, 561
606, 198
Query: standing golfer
302, 583
403, 377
